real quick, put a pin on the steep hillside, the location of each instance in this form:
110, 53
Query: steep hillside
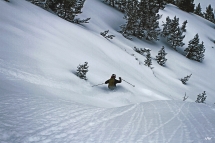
42, 99
40, 53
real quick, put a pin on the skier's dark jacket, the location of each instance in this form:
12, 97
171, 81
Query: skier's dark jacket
112, 82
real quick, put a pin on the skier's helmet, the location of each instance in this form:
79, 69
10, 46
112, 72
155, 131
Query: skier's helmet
113, 76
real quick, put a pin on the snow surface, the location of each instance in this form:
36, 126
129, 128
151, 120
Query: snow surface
42, 100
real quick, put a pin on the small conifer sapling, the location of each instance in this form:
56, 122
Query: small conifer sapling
104, 34
185, 79
183, 28
201, 98
160, 58
148, 61
82, 71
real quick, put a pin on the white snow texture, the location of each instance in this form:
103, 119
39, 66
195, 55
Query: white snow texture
42, 100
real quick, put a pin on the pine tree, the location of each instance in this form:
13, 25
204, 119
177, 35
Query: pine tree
82, 71
121, 4
200, 54
142, 19
198, 10
201, 98
104, 34
66, 9
148, 61
148, 24
111, 2
209, 15
161, 60
176, 39
131, 17
173, 33
183, 28
170, 26
166, 27
174, 24
161, 3
186, 5
141, 51
170, 1
195, 51
153, 30
185, 79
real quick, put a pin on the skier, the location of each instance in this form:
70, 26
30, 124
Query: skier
112, 82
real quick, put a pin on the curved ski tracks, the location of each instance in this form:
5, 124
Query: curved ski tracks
39, 119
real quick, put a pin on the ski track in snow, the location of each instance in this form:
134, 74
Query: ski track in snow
31, 118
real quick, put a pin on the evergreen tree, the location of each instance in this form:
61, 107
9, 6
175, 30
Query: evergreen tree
131, 17
82, 71
148, 24
170, 1
191, 49
200, 54
66, 9
104, 34
111, 2
198, 10
161, 3
152, 31
201, 98
185, 79
161, 60
142, 19
176, 39
177, 2
166, 27
140, 51
195, 51
183, 28
121, 4
174, 24
173, 33
209, 15
170, 26
40, 3
148, 61
186, 5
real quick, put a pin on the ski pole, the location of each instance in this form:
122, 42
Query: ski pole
129, 83
98, 84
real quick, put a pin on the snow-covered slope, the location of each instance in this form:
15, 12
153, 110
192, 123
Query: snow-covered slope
43, 51
46, 119
42, 100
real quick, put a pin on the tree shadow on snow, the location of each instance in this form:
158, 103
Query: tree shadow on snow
73, 71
